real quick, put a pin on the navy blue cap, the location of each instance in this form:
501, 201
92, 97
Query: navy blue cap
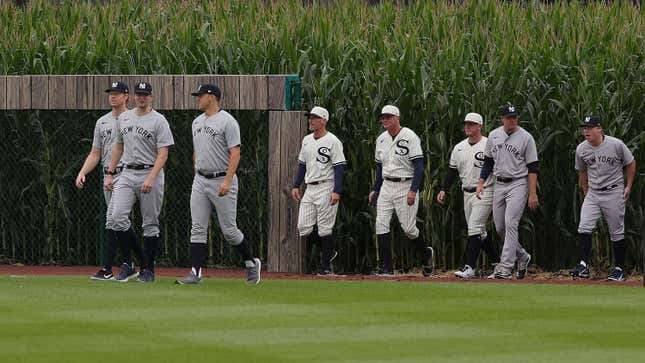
143, 88
118, 87
591, 121
209, 89
508, 110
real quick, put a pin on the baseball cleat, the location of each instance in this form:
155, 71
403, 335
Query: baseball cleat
522, 266
127, 272
253, 272
466, 272
103, 275
382, 273
325, 273
580, 272
191, 278
146, 276
616, 275
428, 265
502, 273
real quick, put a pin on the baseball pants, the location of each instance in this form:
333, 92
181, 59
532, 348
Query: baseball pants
477, 211
203, 197
316, 208
610, 204
509, 201
127, 191
393, 199
109, 221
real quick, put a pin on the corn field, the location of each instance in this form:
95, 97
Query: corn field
436, 60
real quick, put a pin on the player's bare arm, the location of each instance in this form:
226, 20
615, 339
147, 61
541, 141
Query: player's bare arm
90, 163
160, 161
582, 179
631, 173
230, 172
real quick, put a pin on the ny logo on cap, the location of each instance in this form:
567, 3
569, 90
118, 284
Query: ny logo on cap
114, 84
142, 85
587, 119
511, 109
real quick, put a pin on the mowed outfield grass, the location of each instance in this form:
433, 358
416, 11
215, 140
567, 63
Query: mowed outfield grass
73, 319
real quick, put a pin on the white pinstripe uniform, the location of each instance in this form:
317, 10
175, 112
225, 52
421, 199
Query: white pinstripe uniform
468, 160
396, 155
319, 157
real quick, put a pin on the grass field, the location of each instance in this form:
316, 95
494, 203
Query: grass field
73, 319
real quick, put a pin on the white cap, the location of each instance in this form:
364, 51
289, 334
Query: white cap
318, 111
390, 110
474, 117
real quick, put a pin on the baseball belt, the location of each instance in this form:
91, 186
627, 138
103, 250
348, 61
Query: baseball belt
318, 182
117, 170
604, 189
211, 175
396, 180
138, 166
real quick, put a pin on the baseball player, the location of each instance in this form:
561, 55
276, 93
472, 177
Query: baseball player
142, 143
102, 143
466, 161
399, 174
600, 161
216, 156
321, 164
511, 155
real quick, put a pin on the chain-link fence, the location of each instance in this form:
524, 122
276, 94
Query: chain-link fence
45, 220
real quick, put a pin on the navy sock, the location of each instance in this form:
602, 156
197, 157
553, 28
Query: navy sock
327, 250
198, 253
244, 251
472, 250
135, 245
151, 248
489, 248
111, 244
123, 239
620, 248
585, 247
384, 252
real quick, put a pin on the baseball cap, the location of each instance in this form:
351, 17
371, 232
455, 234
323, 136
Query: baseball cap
318, 111
591, 121
474, 118
118, 87
143, 88
390, 110
508, 110
210, 89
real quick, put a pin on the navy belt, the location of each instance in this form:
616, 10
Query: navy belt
396, 180
469, 190
318, 182
138, 166
609, 187
211, 175
505, 180
117, 170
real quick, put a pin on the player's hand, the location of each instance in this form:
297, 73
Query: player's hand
146, 187
533, 201
372, 198
412, 196
441, 196
295, 194
80, 181
479, 191
108, 183
335, 197
223, 188
626, 193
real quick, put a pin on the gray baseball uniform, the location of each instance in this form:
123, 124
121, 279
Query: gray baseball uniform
141, 137
104, 139
396, 154
604, 165
511, 154
319, 157
213, 137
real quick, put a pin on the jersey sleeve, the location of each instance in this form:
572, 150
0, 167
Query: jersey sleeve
415, 148
96, 140
302, 157
453, 163
232, 134
164, 135
337, 156
628, 157
117, 128
530, 152
580, 163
